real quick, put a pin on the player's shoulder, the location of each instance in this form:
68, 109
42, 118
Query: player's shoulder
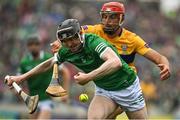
93, 39
47, 55
88, 35
25, 59
86, 27
128, 33
91, 28
63, 51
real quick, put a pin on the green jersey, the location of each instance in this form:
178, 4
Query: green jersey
37, 84
89, 59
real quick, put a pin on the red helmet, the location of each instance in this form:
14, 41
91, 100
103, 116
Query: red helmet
113, 7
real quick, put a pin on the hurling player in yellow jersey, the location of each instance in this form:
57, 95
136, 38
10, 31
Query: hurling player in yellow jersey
127, 43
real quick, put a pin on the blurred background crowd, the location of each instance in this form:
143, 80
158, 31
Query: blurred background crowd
153, 20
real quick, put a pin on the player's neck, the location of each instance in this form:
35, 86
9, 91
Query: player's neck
36, 55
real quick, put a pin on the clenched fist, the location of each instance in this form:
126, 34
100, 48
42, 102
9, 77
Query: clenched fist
55, 46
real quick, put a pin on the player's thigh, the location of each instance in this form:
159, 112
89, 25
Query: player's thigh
139, 114
100, 107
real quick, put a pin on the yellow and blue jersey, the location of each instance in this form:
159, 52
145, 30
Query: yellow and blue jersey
127, 44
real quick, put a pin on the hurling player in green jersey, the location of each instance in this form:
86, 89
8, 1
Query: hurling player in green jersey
38, 83
116, 84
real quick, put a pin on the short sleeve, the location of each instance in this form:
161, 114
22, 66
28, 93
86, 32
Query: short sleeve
21, 69
141, 46
99, 45
59, 57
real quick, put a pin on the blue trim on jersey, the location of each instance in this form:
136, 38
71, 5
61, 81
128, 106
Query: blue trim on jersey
128, 58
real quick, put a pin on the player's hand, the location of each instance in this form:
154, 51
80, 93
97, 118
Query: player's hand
81, 78
165, 71
10, 79
55, 46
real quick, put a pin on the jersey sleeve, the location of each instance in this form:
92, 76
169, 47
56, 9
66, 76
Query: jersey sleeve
48, 55
21, 69
60, 56
141, 46
60, 60
99, 45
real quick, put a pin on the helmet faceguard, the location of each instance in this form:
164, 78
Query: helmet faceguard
65, 33
113, 8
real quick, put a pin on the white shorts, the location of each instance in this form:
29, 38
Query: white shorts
45, 105
129, 99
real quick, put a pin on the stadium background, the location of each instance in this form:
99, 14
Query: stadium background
156, 21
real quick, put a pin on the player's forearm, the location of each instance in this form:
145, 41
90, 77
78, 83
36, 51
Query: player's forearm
163, 60
160, 59
44, 66
156, 58
108, 67
66, 78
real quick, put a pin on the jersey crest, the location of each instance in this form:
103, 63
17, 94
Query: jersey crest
124, 48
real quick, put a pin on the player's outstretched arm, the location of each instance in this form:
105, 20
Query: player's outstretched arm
161, 61
44, 66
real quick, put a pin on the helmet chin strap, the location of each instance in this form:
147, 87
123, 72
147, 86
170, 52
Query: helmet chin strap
121, 20
81, 38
